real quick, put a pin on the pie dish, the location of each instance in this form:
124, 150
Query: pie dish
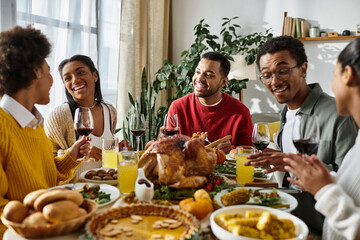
49, 230
122, 219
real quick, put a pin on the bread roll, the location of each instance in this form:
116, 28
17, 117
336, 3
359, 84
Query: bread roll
61, 211
31, 197
35, 219
15, 211
57, 195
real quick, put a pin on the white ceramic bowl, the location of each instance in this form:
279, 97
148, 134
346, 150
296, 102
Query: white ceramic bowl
301, 228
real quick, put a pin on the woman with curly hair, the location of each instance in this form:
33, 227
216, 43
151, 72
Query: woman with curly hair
26, 158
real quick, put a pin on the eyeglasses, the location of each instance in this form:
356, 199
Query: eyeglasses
281, 74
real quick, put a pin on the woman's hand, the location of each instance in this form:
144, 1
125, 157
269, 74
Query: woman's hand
311, 173
93, 152
79, 148
125, 144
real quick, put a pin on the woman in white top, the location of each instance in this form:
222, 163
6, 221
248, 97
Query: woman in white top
82, 87
337, 194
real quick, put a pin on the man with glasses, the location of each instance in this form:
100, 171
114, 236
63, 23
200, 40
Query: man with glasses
282, 63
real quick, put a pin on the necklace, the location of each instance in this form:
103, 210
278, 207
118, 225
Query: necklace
89, 107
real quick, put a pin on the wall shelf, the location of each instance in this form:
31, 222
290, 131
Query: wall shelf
328, 38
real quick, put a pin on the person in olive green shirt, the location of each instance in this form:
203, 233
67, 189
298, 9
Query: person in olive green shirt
282, 63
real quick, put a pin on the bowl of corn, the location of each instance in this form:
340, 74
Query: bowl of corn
256, 222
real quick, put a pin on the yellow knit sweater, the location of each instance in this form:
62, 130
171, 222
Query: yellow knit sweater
27, 162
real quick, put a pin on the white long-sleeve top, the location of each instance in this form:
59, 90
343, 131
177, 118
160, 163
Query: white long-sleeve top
340, 201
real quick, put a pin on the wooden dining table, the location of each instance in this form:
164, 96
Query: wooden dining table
205, 229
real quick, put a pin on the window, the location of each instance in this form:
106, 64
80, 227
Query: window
88, 27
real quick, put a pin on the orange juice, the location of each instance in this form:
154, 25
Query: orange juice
127, 174
244, 174
109, 158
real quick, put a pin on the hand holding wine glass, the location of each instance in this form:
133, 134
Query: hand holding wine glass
171, 124
137, 126
261, 136
83, 121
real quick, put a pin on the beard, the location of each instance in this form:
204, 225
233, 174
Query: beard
208, 93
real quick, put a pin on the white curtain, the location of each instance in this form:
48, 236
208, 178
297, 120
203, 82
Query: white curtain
77, 27
144, 42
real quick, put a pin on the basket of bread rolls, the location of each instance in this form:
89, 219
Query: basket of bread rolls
45, 213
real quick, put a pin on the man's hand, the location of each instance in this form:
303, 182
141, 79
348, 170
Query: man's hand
226, 147
267, 158
311, 173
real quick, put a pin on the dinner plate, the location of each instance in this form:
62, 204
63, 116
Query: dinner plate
230, 159
285, 198
111, 182
106, 188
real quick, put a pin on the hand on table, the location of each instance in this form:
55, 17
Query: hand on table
267, 158
311, 173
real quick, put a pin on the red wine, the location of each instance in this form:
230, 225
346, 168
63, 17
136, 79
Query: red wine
260, 145
305, 146
84, 131
171, 132
138, 132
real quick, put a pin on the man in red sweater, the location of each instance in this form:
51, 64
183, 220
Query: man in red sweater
210, 110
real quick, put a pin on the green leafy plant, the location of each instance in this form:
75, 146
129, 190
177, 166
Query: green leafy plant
179, 77
231, 43
145, 105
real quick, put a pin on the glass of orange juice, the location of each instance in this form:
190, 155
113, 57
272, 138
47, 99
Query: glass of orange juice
244, 174
127, 171
110, 148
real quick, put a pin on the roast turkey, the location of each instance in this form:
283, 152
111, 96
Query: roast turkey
178, 161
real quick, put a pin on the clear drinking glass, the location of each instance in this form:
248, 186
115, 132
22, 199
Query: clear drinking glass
127, 171
244, 174
171, 124
137, 126
261, 136
110, 148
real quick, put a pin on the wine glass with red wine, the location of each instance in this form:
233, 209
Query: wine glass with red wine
261, 136
306, 134
171, 124
137, 127
83, 121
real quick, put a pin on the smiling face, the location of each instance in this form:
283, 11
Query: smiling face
208, 81
293, 91
80, 82
44, 82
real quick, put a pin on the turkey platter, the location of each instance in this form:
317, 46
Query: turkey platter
178, 161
